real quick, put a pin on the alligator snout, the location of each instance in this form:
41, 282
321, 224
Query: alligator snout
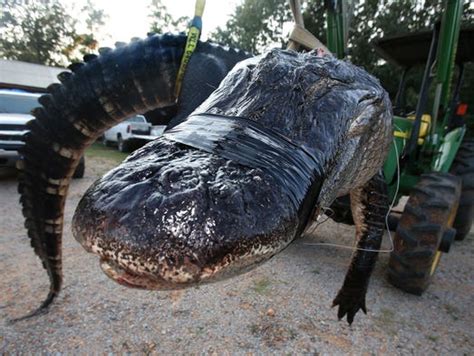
171, 216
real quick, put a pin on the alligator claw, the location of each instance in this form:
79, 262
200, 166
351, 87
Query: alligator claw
349, 303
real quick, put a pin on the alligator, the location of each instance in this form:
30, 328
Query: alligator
230, 184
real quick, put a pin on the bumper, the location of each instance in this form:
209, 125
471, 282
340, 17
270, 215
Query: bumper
8, 158
141, 138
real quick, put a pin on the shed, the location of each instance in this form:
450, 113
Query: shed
27, 76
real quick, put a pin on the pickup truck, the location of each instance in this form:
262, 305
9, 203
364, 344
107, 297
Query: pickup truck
129, 134
15, 108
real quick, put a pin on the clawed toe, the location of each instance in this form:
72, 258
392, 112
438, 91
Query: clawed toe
349, 304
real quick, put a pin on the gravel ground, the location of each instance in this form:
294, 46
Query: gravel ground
281, 307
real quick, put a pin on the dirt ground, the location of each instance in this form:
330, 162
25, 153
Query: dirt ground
281, 307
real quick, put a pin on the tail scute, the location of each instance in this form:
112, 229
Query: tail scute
96, 95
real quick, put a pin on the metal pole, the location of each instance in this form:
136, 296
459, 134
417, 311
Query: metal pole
335, 27
422, 99
450, 27
400, 97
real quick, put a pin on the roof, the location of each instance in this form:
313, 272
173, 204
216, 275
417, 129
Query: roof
28, 76
412, 49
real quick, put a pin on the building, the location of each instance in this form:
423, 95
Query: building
27, 76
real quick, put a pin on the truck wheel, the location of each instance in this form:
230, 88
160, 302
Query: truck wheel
106, 142
424, 231
122, 145
463, 167
81, 167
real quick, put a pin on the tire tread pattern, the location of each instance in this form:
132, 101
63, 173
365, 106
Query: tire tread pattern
420, 230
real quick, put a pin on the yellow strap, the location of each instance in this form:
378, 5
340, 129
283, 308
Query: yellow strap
194, 33
191, 43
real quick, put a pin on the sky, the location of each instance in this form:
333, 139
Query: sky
129, 19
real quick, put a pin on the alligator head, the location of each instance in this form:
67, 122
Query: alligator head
219, 194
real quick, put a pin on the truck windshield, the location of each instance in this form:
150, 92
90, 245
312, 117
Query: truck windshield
18, 103
137, 118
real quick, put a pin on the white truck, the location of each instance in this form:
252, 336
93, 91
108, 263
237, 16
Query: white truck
128, 134
15, 108
131, 133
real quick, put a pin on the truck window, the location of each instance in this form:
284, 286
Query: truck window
137, 118
18, 103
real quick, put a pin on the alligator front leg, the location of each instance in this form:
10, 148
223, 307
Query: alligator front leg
369, 205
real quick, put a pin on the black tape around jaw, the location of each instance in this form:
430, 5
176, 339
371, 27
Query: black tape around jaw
249, 143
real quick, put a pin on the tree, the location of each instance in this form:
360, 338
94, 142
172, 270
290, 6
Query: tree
43, 32
258, 23
83, 43
255, 25
162, 21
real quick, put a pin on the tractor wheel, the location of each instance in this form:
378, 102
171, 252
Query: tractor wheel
424, 231
463, 166
393, 220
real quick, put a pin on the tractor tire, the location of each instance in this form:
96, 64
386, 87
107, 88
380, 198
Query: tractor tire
463, 167
424, 231
392, 221
80, 169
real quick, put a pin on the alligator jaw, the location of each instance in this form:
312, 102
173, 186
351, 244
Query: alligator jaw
179, 278
182, 277
126, 278
138, 271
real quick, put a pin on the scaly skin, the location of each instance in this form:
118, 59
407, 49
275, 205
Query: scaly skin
97, 95
369, 205
173, 215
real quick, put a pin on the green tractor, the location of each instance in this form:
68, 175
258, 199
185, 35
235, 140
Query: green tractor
432, 158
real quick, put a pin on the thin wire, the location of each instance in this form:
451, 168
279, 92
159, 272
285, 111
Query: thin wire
316, 224
354, 248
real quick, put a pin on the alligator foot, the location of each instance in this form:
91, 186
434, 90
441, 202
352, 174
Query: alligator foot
349, 302
369, 205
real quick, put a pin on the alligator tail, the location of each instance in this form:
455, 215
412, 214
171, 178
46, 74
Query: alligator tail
96, 95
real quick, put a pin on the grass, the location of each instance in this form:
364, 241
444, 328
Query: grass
262, 286
391, 321
99, 150
387, 320
255, 329
201, 330
452, 310
387, 316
